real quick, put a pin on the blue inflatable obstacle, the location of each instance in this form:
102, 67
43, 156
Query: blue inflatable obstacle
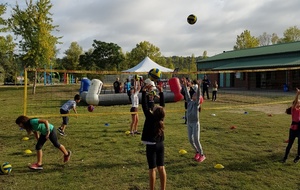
84, 85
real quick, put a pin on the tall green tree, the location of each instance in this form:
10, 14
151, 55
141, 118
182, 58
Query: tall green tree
8, 69
34, 27
142, 50
71, 60
3, 22
245, 40
103, 56
292, 34
107, 56
7, 59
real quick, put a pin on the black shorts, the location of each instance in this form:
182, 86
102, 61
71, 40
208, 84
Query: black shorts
65, 118
42, 139
133, 109
155, 154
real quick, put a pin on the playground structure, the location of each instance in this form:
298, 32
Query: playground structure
90, 92
67, 78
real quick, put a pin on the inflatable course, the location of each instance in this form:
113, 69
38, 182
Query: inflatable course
90, 92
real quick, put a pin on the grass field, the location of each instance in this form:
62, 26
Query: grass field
105, 158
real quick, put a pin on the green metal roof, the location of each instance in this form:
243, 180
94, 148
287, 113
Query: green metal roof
253, 52
261, 63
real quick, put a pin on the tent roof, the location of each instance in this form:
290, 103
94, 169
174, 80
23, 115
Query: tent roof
146, 65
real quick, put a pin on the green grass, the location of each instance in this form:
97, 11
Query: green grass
104, 157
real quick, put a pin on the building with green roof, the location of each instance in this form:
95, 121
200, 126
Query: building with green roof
265, 67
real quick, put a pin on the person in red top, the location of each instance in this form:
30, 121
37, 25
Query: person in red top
294, 129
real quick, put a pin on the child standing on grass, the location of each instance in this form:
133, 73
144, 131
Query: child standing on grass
193, 123
214, 91
65, 109
153, 138
47, 131
294, 129
134, 90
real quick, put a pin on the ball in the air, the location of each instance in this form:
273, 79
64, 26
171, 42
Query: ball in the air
155, 74
91, 108
191, 19
6, 168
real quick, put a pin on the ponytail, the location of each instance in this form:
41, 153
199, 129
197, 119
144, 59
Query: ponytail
159, 115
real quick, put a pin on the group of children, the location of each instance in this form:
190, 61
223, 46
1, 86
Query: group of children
153, 129
152, 134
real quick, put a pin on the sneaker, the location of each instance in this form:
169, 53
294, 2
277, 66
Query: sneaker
201, 158
296, 160
283, 160
61, 132
35, 166
197, 156
67, 158
136, 132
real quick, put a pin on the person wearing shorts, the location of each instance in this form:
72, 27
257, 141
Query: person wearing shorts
134, 90
153, 138
65, 109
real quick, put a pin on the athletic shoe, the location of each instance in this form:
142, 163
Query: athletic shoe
35, 166
67, 158
283, 160
61, 132
136, 132
296, 160
201, 158
197, 156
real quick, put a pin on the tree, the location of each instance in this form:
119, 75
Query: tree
3, 22
71, 60
7, 60
192, 66
245, 40
142, 50
265, 39
7, 67
103, 56
34, 26
204, 55
291, 34
274, 38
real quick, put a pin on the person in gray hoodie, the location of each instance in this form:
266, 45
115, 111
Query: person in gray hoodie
193, 122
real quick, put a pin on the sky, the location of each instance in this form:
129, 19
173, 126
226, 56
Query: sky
163, 23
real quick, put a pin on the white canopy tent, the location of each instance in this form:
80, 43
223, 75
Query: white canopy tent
146, 65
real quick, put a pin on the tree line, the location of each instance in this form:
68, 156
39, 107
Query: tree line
36, 46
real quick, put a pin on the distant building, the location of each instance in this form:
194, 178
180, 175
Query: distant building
266, 67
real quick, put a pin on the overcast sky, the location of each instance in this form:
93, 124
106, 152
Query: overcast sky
163, 22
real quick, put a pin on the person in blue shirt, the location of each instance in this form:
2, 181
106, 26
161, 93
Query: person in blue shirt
47, 131
127, 86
